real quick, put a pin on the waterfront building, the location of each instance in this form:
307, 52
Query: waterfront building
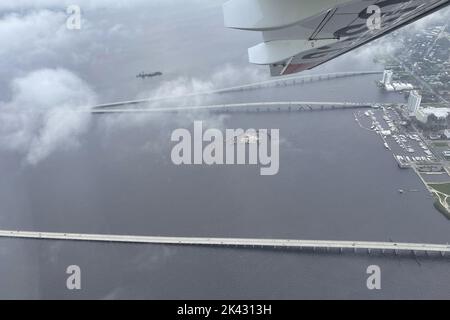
433, 118
414, 102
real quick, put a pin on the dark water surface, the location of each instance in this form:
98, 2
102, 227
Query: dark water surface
336, 181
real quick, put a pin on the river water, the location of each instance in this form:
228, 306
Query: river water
336, 181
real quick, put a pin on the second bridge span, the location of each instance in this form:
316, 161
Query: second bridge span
234, 242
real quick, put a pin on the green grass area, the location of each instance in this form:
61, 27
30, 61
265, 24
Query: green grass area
440, 144
441, 187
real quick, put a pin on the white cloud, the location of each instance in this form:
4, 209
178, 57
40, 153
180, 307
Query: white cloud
41, 38
89, 4
45, 113
224, 77
37, 115
33, 4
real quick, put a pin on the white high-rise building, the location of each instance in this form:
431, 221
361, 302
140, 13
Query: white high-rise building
387, 77
414, 102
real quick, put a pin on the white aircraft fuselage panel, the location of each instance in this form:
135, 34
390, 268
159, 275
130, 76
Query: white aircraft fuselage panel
272, 14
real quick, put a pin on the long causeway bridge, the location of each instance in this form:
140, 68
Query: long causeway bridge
243, 107
277, 82
325, 245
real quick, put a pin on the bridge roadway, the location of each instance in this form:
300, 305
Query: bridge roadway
283, 81
236, 242
251, 106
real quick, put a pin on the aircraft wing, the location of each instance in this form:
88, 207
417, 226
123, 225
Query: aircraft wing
302, 34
